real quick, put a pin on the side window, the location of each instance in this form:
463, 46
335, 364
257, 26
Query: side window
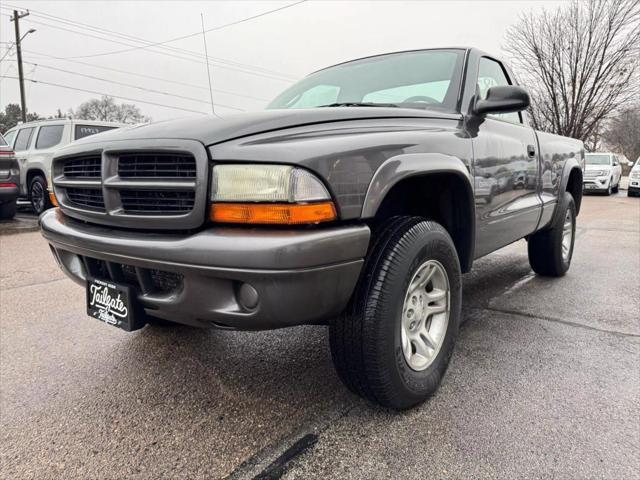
491, 74
82, 131
23, 139
49, 136
10, 136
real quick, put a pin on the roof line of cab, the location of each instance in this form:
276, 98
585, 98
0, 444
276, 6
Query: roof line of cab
67, 120
413, 50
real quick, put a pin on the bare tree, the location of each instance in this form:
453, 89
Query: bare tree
579, 63
623, 132
108, 110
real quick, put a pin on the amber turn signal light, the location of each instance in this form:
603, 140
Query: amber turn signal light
54, 200
273, 213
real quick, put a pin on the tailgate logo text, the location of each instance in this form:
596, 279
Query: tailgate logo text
111, 309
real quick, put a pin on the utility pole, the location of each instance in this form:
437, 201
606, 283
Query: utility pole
16, 18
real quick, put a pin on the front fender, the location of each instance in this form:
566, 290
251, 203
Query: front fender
404, 166
460, 220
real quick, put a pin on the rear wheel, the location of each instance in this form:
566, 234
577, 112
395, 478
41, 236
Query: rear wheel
38, 194
393, 344
551, 250
7, 210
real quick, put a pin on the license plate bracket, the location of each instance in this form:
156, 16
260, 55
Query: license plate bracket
114, 304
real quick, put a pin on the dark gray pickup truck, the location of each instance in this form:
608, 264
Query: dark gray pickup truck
357, 199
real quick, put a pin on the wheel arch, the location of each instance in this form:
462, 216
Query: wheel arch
434, 186
572, 181
32, 172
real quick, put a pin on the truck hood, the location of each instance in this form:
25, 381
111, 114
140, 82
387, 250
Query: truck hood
210, 130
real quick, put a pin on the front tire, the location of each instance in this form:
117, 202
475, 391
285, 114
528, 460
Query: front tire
7, 210
616, 189
609, 188
551, 250
39, 195
393, 343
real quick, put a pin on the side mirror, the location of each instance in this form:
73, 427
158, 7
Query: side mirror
502, 99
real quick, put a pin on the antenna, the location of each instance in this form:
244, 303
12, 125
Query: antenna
206, 54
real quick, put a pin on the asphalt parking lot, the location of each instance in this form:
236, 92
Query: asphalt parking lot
544, 382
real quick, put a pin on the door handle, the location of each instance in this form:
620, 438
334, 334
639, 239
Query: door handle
531, 150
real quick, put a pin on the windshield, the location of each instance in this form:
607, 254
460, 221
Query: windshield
422, 79
598, 159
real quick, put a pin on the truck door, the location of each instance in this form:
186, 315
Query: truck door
506, 170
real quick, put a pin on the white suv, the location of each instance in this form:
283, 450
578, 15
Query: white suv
34, 144
634, 180
602, 172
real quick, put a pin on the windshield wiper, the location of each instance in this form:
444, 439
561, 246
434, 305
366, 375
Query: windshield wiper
359, 104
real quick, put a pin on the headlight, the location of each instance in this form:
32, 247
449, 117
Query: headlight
268, 194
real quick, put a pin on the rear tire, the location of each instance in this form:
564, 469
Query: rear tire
551, 250
7, 210
39, 194
378, 351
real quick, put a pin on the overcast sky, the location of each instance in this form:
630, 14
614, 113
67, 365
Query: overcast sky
256, 58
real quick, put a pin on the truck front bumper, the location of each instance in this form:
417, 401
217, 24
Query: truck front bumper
225, 277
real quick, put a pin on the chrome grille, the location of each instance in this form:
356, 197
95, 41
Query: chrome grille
88, 167
86, 197
156, 202
154, 165
152, 184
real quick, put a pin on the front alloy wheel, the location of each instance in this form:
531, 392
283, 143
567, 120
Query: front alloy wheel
425, 315
393, 343
567, 235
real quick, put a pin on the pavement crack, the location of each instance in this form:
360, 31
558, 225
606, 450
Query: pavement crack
280, 465
557, 320
8, 289
276, 459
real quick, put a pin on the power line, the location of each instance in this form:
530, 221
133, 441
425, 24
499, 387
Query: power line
227, 67
141, 75
220, 27
8, 50
120, 96
145, 89
96, 29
